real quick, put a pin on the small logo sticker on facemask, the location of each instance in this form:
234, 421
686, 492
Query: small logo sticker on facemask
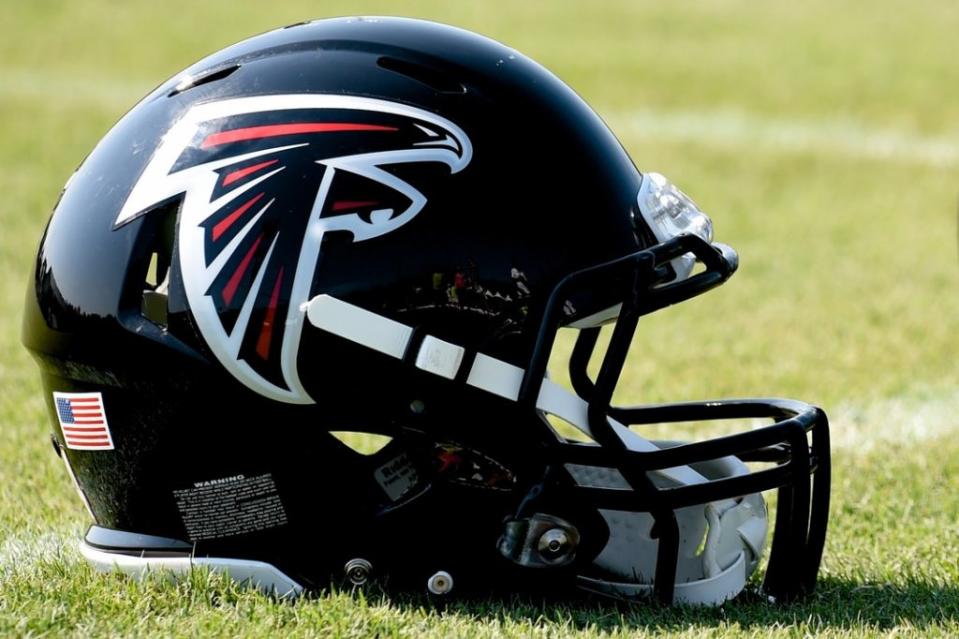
83, 421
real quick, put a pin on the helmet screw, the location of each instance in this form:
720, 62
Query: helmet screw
440, 583
358, 571
554, 543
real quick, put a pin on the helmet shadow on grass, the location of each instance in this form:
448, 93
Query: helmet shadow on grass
837, 603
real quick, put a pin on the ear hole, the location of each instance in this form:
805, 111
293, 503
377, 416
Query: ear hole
362, 443
156, 280
566, 430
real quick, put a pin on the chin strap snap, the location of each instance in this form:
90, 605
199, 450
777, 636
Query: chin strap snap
539, 541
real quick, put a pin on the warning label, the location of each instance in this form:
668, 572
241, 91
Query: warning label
396, 476
230, 506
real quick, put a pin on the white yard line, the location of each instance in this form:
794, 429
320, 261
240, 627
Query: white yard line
856, 429
831, 137
25, 552
896, 423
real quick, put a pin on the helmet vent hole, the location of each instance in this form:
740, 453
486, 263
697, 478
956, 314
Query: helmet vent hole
154, 286
430, 77
362, 443
190, 82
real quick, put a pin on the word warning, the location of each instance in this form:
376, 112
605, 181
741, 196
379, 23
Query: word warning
230, 506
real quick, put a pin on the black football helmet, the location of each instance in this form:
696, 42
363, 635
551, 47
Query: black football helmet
378, 225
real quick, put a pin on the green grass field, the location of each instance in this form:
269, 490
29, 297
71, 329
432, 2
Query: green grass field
823, 137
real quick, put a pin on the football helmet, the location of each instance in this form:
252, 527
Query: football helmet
378, 226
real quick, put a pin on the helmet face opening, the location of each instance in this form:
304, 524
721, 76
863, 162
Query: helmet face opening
294, 315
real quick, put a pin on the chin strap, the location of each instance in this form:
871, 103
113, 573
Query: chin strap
719, 574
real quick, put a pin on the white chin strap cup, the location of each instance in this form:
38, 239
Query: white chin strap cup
732, 533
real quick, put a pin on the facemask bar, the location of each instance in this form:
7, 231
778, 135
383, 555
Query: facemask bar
800, 471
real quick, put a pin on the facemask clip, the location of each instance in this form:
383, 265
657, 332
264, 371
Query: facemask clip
539, 541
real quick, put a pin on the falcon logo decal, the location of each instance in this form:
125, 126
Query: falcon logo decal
262, 180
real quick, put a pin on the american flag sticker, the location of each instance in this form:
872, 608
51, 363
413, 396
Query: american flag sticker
83, 421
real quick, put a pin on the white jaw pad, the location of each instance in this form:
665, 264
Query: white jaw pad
705, 592
257, 574
713, 538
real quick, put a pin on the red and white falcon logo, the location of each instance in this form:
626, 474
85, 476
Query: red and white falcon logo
262, 179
